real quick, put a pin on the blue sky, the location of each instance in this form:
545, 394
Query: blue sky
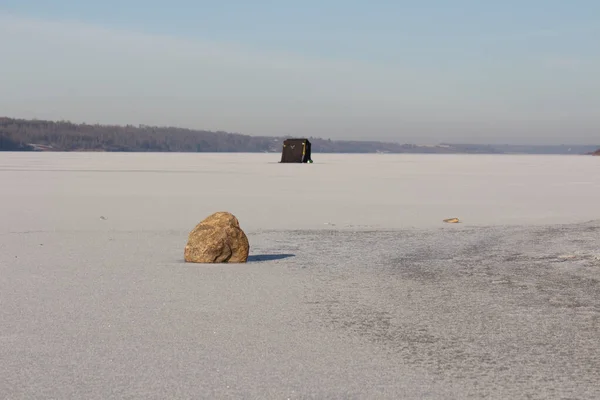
410, 71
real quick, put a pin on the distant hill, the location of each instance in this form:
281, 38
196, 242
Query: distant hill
40, 135
531, 149
37, 135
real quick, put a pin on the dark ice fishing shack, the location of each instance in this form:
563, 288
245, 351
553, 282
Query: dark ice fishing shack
296, 151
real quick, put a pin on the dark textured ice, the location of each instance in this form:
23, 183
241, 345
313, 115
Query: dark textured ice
453, 313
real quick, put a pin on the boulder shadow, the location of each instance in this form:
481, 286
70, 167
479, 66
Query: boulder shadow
268, 257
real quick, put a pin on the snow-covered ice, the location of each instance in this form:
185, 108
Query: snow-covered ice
54, 191
355, 287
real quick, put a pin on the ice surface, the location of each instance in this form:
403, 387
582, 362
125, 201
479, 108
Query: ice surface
355, 287
56, 191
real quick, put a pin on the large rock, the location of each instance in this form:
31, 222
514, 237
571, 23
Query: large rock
217, 239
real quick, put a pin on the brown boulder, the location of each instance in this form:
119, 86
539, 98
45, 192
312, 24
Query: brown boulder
217, 239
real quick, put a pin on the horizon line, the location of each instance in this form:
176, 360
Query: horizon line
139, 126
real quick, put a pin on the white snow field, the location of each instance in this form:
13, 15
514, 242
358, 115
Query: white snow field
57, 191
355, 288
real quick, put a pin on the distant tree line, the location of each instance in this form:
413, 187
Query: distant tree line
67, 136
21, 134
38, 135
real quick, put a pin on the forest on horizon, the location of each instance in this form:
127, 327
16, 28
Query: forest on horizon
42, 135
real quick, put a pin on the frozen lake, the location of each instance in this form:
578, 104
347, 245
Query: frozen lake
355, 287
174, 191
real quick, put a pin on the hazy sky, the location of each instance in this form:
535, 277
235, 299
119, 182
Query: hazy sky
425, 71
